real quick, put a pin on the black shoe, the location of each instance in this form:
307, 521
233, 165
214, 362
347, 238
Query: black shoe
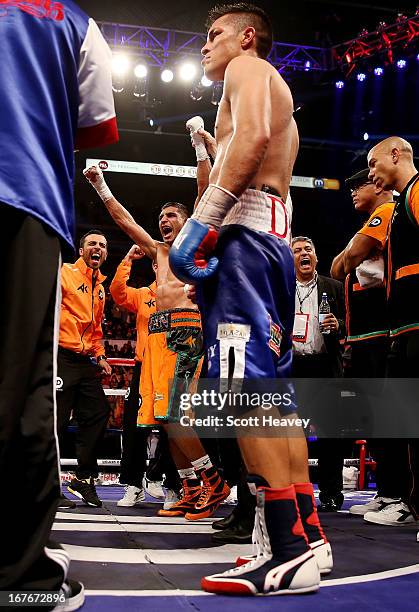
225, 523
238, 533
85, 489
65, 504
73, 592
330, 503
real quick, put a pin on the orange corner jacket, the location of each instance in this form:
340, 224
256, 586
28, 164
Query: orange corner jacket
141, 301
81, 309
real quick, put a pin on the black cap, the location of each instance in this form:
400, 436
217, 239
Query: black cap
360, 178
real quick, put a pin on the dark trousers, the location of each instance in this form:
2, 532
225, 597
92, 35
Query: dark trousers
79, 392
330, 451
134, 445
30, 257
403, 362
369, 360
134, 439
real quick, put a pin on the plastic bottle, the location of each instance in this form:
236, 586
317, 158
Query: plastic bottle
324, 310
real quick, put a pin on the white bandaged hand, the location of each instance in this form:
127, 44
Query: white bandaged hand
214, 206
198, 142
95, 177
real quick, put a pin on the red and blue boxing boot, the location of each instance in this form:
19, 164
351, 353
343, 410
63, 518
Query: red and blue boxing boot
316, 538
284, 563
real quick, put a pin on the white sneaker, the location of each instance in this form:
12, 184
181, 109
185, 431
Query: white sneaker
133, 495
231, 500
374, 505
154, 488
170, 499
393, 514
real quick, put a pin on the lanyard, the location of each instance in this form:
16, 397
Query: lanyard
302, 300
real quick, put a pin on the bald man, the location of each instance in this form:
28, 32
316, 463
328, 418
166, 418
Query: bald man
391, 166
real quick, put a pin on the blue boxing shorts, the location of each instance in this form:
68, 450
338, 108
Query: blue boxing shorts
248, 306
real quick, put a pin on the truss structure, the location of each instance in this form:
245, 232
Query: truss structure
161, 46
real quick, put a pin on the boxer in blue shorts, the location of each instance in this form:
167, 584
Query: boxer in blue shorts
247, 284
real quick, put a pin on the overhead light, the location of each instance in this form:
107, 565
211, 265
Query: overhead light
401, 63
188, 71
366, 136
307, 65
205, 82
167, 75
378, 71
140, 71
339, 84
361, 76
120, 64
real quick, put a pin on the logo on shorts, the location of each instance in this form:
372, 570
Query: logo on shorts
103, 165
318, 183
127, 392
275, 338
374, 222
233, 330
59, 383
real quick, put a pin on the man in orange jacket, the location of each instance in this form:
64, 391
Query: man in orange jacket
80, 353
142, 302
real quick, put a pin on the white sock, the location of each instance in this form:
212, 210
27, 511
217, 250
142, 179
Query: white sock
187, 473
201, 464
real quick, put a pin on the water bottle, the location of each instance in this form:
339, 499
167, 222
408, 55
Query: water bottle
324, 310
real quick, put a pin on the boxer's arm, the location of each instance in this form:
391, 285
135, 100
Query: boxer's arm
120, 214
247, 88
203, 169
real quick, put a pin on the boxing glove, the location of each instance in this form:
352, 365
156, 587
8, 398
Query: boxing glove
190, 255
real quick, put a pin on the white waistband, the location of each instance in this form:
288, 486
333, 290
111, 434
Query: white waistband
261, 212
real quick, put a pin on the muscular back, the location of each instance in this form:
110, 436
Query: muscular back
241, 114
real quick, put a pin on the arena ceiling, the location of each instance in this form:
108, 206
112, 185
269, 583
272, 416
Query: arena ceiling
331, 125
304, 21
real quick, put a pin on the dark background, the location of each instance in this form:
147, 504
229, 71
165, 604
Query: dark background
331, 122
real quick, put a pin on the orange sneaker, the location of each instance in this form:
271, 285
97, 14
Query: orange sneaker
214, 491
191, 491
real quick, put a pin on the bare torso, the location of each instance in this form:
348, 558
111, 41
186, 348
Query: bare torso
170, 290
276, 168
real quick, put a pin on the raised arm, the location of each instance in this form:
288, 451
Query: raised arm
205, 146
120, 214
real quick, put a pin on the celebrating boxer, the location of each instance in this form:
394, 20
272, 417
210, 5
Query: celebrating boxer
174, 353
247, 291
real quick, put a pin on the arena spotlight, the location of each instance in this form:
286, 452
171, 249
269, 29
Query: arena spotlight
339, 84
401, 64
378, 71
366, 136
307, 65
167, 75
120, 64
140, 71
205, 82
187, 71
417, 57
361, 76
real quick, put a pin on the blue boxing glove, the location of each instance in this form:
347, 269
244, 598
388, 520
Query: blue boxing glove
189, 255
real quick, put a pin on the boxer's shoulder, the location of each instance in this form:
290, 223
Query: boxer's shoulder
247, 65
